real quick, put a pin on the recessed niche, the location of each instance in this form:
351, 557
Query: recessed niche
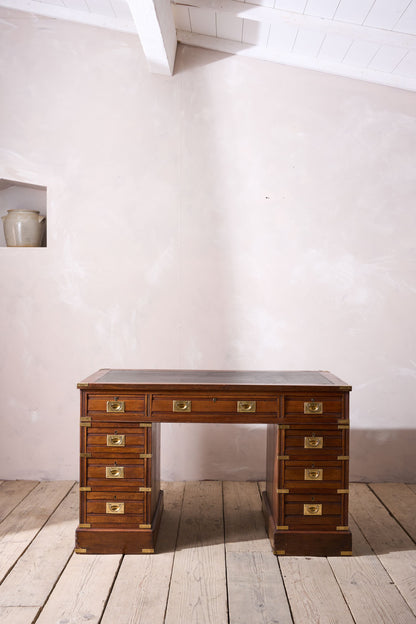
16, 195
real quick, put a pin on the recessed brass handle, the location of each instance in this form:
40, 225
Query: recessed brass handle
114, 508
246, 406
115, 406
116, 440
312, 510
313, 442
114, 472
313, 474
312, 407
182, 406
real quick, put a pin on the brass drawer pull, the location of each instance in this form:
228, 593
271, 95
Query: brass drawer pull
115, 406
312, 407
114, 472
116, 440
312, 510
246, 406
313, 442
182, 406
313, 474
114, 508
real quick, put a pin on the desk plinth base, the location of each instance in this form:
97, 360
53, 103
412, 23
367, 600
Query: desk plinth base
310, 543
120, 541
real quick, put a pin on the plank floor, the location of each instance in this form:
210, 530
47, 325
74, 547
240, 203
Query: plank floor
213, 565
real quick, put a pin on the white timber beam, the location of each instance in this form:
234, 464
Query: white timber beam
156, 29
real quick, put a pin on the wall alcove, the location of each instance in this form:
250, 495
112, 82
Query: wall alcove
22, 195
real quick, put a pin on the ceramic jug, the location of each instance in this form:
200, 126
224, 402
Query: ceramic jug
23, 228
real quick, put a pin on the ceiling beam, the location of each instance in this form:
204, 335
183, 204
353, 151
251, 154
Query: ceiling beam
156, 29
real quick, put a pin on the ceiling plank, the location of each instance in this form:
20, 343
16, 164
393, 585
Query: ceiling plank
277, 16
296, 60
156, 29
123, 24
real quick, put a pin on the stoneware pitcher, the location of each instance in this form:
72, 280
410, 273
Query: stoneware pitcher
23, 228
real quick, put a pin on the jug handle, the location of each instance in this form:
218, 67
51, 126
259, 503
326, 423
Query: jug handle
40, 218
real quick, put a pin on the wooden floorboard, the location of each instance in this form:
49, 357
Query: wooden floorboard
37, 570
393, 546
18, 615
12, 493
198, 586
255, 585
400, 500
213, 563
21, 526
141, 590
367, 588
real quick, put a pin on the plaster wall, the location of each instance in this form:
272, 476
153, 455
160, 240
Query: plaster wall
239, 215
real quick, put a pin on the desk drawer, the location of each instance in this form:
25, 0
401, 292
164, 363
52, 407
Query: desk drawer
314, 511
105, 471
116, 441
115, 509
317, 476
316, 408
115, 407
233, 408
315, 443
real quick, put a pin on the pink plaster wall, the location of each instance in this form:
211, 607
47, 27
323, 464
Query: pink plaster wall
239, 215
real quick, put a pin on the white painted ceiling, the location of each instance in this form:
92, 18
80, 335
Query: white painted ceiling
373, 40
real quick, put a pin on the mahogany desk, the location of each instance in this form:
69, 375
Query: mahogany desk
305, 504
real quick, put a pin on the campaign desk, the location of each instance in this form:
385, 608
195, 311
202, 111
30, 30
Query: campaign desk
305, 504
